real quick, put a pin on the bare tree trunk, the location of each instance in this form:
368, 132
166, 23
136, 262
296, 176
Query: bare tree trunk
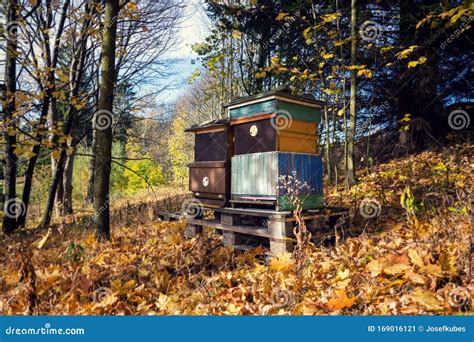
103, 161
10, 208
32, 162
90, 181
328, 146
67, 185
334, 161
58, 200
351, 176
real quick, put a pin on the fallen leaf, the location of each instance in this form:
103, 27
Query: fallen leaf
375, 267
427, 299
396, 269
415, 258
341, 301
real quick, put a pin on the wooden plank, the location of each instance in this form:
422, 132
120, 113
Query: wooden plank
192, 231
280, 227
209, 177
177, 216
329, 209
232, 238
253, 118
231, 219
266, 106
255, 137
255, 174
278, 95
210, 130
255, 231
211, 146
312, 217
294, 142
254, 212
255, 201
300, 112
278, 247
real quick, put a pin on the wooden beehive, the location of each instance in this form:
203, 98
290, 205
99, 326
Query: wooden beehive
263, 134
255, 178
275, 121
209, 174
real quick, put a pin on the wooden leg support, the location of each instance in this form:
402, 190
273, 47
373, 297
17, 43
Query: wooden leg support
281, 231
279, 228
231, 219
232, 239
278, 247
192, 230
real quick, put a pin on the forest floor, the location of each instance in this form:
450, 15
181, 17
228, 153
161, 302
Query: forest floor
412, 257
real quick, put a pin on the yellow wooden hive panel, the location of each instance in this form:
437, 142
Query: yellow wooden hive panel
298, 136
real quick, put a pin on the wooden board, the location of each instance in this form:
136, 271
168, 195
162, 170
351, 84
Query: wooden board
257, 175
264, 140
265, 135
211, 146
297, 111
300, 112
209, 177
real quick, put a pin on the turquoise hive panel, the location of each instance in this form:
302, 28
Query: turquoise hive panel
257, 175
264, 107
299, 112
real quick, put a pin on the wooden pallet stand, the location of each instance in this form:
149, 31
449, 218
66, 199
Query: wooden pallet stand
240, 226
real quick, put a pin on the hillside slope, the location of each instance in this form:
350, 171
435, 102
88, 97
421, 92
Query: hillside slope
407, 251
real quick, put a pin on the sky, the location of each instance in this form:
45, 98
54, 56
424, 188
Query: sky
193, 30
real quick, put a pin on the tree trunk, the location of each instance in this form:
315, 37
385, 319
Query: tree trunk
327, 146
67, 185
90, 181
351, 176
103, 161
32, 162
10, 208
58, 200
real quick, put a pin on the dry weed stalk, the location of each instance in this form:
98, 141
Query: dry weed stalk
296, 193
